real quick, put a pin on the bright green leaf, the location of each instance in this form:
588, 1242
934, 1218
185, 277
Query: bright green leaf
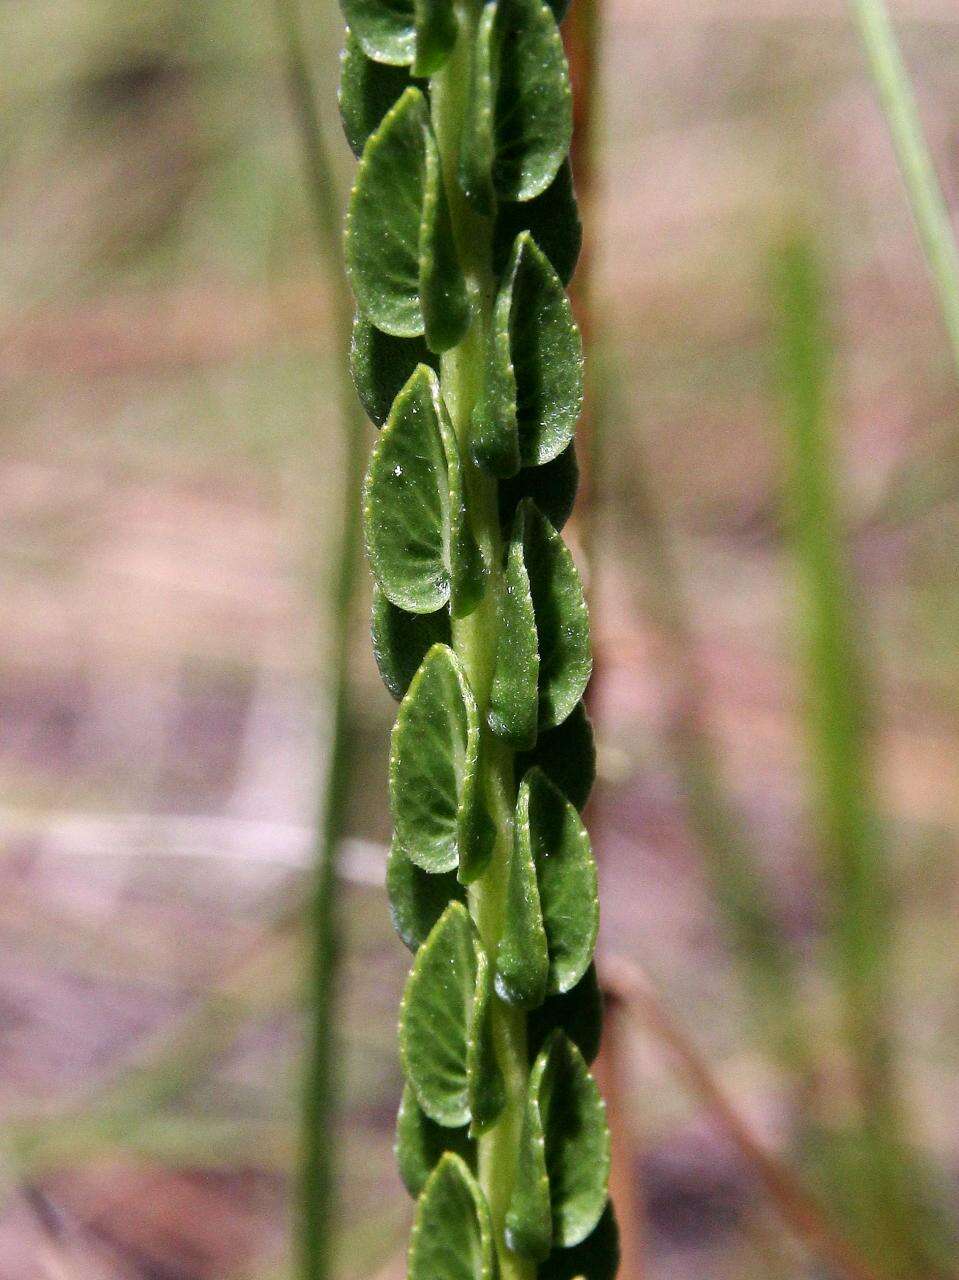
514, 695
577, 1012
522, 957
561, 1184
400, 32
421, 1142
381, 366
421, 549
417, 898
367, 91
553, 221
452, 1232
551, 486
597, 1258
438, 813
487, 1095
532, 391
567, 755
400, 254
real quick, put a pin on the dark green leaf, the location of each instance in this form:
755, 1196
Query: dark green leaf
452, 1233
435, 34
420, 1143
597, 1258
419, 542
533, 385
514, 695
553, 221
522, 957
567, 755
578, 1013
478, 143
434, 784
551, 835
417, 898
401, 32
561, 1184
381, 366
400, 254
487, 1095
401, 640
559, 8
552, 487
367, 91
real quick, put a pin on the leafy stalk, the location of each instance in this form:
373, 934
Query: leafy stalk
317, 1181
915, 161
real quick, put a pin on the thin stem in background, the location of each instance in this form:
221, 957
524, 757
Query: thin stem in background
915, 160
317, 1181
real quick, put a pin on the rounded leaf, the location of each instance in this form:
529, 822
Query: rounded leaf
552, 487
487, 1094
417, 899
597, 1258
532, 392
514, 694
421, 1143
399, 32
400, 255
552, 219
567, 755
452, 1233
420, 545
367, 91
522, 956
577, 1012
434, 754
381, 366
402, 640
560, 1190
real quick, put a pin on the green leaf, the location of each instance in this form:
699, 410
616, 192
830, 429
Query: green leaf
487, 1094
559, 8
551, 835
421, 549
421, 1142
552, 487
577, 1012
417, 898
553, 221
421, 32
567, 755
402, 640
560, 1190
532, 391
514, 694
438, 813
597, 1258
452, 1232
520, 120
522, 956
400, 255
367, 91
562, 621
381, 366
446, 1039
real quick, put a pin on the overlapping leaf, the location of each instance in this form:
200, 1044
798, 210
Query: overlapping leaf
402, 640
597, 1258
445, 1038
381, 365
551, 486
421, 1142
552, 908
418, 538
439, 814
417, 898
367, 91
452, 1233
520, 117
560, 1190
400, 254
544, 613
403, 32
552, 219
532, 391
578, 1013
567, 755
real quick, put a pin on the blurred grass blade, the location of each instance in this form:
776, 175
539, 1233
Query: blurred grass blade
915, 161
854, 858
317, 1181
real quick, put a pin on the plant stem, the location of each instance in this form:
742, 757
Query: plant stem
915, 161
474, 637
317, 1182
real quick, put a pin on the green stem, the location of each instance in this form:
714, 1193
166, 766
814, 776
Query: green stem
474, 637
915, 161
317, 1181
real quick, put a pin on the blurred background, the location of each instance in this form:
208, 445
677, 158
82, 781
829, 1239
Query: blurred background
171, 462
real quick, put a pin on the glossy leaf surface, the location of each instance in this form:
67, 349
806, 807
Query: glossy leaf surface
417, 898
514, 696
533, 389
399, 243
399, 32
381, 365
433, 763
421, 1142
567, 755
452, 1233
487, 1095
367, 91
565, 1138
597, 1258
522, 957
552, 487
551, 218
